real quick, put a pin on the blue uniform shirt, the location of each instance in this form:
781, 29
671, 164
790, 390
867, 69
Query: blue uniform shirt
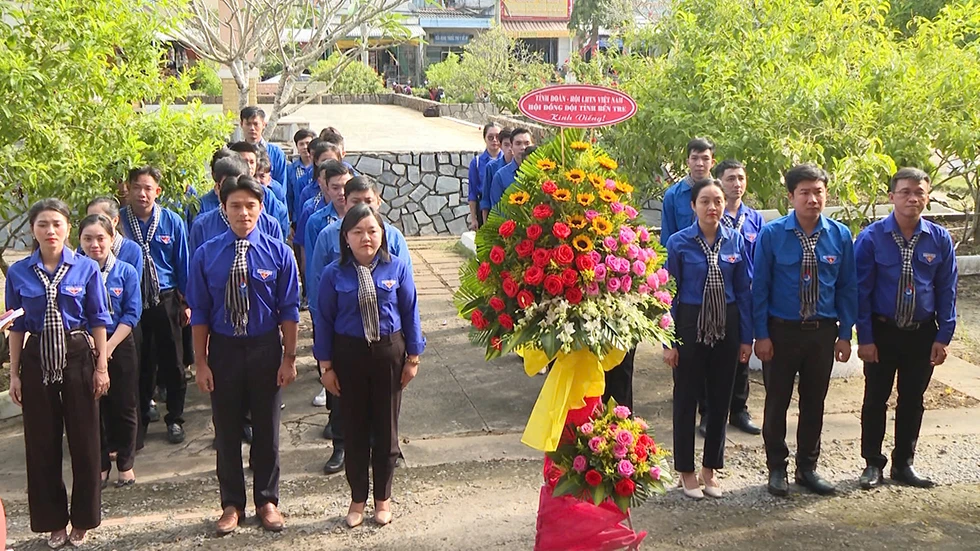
493, 167
327, 250
312, 189
168, 248
312, 206
776, 282
81, 295
270, 204
339, 312
676, 213
296, 178
213, 224
687, 263
273, 285
278, 161
123, 287
879, 268
476, 174
501, 181
279, 191
750, 231
316, 222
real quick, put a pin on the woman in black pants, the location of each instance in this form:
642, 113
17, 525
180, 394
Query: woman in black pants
119, 408
712, 316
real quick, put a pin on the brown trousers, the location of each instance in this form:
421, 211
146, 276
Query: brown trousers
50, 411
370, 385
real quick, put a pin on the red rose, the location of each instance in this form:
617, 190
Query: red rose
549, 187
625, 487
534, 276
593, 478
541, 257
507, 228
644, 441
506, 321
553, 285
583, 262
573, 295
641, 453
483, 272
554, 475
542, 211
497, 254
510, 287
504, 275
569, 277
561, 230
497, 303
478, 320
534, 231
496, 343
564, 254
525, 298
524, 248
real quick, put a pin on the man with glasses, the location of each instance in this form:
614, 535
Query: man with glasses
491, 134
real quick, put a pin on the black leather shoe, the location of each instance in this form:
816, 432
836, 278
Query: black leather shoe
907, 475
815, 483
743, 422
336, 462
247, 434
778, 483
703, 427
870, 478
327, 432
175, 433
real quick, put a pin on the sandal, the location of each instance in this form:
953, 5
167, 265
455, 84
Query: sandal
57, 541
77, 539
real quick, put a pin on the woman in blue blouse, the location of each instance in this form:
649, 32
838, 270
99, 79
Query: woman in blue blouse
118, 409
58, 377
712, 315
368, 338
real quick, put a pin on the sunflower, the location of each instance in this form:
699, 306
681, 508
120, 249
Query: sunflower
577, 222
582, 243
585, 199
580, 146
546, 164
575, 176
623, 187
562, 195
596, 181
519, 198
607, 163
601, 226
608, 196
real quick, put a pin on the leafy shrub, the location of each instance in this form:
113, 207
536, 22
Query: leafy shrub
204, 78
354, 78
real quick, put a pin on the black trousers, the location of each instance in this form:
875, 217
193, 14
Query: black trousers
740, 393
245, 370
370, 384
161, 356
619, 381
119, 409
907, 353
808, 353
50, 411
336, 420
701, 367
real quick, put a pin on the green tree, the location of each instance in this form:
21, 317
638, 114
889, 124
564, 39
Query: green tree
71, 122
589, 16
354, 78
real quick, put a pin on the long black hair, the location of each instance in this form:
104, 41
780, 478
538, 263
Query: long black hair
352, 218
44, 205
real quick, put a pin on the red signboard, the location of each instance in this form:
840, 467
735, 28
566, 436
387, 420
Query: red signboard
577, 105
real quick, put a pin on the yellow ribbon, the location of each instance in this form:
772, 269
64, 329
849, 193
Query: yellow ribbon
573, 377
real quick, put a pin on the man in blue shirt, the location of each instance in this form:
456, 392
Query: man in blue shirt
163, 238
907, 280
805, 303
505, 158
264, 175
323, 152
491, 134
243, 291
520, 141
300, 167
677, 213
253, 125
215, 222
271, 204
337, 176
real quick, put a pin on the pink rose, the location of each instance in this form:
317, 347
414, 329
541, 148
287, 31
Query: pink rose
665, 321
625, 468
621, 411
655, 473
627, 283
643, 289
631, 212
616, 207
610, 243
610, 185
594, 444
595, 256
633, 252
653, 280
613, 284
579, 464
590, 214
664, 297
639, 267
624, 437
592, 289
620, 451
644, 233
600, 272
586, 428
663, 275
626, 235
642, 424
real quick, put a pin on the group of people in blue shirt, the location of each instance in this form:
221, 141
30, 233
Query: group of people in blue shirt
494, 170
115, 313
796, 288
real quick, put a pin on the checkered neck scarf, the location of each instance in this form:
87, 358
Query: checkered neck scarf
316, 202
905, 302
110, 262
711, 320
367, 299
53, 346
117, 243
224, 216
150, 281
737, 224
236, 289
809, 285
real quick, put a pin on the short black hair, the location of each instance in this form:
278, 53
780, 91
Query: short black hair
244, 147
806, 172
222, 153
487, 127
330, 169
518, 131
352, 218
698, 145
696, 187
241, 183
324, 146
727, 164
251, 112
360, 183
505, 134
145, 170
228, 167
332, 135
302, 134
908, 173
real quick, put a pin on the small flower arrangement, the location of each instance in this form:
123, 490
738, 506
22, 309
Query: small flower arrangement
610, 456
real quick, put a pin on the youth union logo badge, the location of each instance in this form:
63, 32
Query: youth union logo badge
388, 283
751, 237
116, 291
928, 257
73, 290
829, 259
264, 274
165, 239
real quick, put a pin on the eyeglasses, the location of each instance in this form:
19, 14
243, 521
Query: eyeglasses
493, 137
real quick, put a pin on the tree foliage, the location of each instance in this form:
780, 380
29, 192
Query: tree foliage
589, 16
352, 78
71, 125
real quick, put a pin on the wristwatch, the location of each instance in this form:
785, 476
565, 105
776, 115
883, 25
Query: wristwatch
415, 362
